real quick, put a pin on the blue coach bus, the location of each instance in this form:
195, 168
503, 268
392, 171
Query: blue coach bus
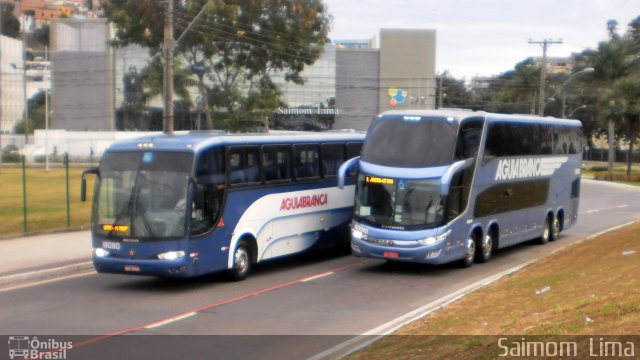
452, 185
190, 204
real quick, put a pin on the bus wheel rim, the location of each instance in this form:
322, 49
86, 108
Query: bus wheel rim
241, 260
471, 250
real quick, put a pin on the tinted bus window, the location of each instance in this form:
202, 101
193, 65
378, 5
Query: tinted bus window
305, 161
332, 158
354, 149
410, 143
276, 162
243, 165
209, 191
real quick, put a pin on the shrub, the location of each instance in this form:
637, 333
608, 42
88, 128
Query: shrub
598, 168
11, 157
603, 175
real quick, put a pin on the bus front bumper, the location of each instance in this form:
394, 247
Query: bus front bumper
430, 254
179, 268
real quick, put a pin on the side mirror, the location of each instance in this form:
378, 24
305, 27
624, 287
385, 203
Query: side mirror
83, 190
344, 168
83, 183
446, 177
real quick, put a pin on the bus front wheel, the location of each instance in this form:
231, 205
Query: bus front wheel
241, 262
546, 233
470, 255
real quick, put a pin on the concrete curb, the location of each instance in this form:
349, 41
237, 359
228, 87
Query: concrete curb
46, 274
359, 342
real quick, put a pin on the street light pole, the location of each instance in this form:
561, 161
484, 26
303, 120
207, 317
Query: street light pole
577, 109
561, 90
46, 130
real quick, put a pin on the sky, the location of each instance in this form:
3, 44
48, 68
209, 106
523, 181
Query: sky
486, 37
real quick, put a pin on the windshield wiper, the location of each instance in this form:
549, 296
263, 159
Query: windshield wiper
123, 210
143, 216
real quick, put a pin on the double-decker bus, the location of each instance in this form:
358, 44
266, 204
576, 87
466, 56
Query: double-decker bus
446, 185
190, 204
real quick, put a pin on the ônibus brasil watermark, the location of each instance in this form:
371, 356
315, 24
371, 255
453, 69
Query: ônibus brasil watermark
27, 347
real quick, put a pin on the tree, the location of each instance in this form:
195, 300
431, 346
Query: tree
454, 92
10, 24
514, 91
242, 43
627, 93
609, 64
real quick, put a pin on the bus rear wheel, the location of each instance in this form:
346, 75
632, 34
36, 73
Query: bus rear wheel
241, 262
486, 248
555, 228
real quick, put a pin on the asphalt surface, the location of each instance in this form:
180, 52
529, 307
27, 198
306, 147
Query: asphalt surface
299, 307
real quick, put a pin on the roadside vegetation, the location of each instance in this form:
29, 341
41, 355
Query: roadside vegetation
590, 288
598, 170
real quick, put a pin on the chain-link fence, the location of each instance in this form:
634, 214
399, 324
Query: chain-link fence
36, 198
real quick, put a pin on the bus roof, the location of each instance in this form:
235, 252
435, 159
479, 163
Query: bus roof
460, 114
194, 141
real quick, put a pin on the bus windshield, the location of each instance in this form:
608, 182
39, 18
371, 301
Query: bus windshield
143, 195
397, 203
406, 141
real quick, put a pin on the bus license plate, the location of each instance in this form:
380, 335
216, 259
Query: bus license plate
132, 268
391, 254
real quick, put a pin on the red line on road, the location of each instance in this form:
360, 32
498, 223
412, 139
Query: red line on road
216, 304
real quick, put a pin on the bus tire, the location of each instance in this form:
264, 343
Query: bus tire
241, 262
470, 254
555, 228
486, 248
546, 233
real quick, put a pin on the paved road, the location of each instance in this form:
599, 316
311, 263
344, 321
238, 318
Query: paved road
317, 294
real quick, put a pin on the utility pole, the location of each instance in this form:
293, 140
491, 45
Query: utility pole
167, 123
543, 70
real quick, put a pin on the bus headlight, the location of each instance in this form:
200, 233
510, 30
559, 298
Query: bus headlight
100, 252
171, 255
357, 232
434, 239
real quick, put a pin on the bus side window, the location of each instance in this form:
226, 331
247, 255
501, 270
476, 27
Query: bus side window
305, 161
276, 162
209, 191
332, 156
468, 141
353, 149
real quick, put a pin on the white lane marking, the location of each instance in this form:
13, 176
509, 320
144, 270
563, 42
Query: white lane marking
605, 209
170, 320
317, 276
43, 282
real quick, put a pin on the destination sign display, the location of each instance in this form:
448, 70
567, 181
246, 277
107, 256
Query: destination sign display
378, 180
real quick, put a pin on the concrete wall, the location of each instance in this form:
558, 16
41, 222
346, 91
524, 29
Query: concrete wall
11, 84
407, 69
356, 87
82, 75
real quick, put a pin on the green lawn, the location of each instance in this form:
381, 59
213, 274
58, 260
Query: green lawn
46, 200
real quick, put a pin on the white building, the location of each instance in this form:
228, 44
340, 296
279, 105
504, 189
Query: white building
11, 83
